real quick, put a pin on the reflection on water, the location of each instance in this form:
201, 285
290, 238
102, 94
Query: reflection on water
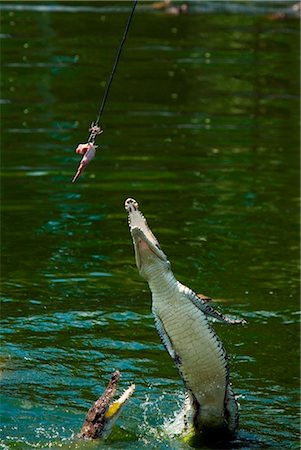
200, 127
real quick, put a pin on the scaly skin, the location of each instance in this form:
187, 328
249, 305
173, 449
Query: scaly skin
181, 320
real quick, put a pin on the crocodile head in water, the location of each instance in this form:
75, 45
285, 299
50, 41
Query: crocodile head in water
104, 412
148, 254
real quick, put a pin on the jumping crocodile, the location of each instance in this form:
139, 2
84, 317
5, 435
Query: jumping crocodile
181, 319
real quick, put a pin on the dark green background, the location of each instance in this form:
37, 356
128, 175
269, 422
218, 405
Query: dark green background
201, 127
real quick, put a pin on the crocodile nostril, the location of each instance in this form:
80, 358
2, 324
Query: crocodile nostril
131, 205
127, 204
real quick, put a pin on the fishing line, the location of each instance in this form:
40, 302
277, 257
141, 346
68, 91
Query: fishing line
89, 148
116, 63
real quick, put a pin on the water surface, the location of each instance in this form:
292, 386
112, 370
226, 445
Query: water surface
201, 127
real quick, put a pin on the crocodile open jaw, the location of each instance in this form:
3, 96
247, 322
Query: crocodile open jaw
103, 413
143, 238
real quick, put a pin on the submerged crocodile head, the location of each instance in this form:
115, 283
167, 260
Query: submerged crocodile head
148, 254
104, 412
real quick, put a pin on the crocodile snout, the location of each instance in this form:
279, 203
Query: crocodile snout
131, 205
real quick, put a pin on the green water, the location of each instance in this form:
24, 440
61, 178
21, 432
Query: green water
201, 127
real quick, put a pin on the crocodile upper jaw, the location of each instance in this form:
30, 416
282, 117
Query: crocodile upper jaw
146, 246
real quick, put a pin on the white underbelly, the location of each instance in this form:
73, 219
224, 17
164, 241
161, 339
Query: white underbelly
202, 358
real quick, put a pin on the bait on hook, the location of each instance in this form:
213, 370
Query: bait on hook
88, 150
